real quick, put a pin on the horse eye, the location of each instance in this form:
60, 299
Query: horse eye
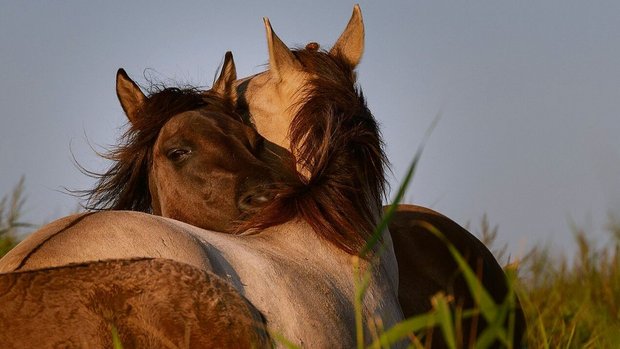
178, 154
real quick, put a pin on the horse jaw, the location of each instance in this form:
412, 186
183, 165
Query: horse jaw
269, 103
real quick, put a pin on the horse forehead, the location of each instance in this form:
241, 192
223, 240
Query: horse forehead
190, 122
265, 88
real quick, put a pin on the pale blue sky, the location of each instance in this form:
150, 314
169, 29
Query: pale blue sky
529, 93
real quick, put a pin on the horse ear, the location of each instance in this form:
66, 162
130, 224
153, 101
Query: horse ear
228, 75
350, 44
129, 94
281, 58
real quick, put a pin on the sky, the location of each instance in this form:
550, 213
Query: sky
528, 95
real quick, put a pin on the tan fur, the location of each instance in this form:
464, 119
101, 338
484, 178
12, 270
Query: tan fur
301, 284
350, 44
274, 95
272, 110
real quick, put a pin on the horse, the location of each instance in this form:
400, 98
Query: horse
87, 304
300, 103
264, 265
189, 144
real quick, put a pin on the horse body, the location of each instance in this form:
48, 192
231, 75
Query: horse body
151, 303
302, 285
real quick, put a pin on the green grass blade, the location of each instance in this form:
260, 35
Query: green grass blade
402, 189
116, 339
444, 318
488, 307
362, 281
404, 328
282, 340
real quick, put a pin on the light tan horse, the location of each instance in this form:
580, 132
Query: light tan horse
296, 97
299, 280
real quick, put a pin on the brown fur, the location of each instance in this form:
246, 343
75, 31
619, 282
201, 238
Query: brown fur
152, 303
230, 166
125, 185
426, 267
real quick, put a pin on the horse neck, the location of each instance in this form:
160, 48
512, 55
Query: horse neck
297, 239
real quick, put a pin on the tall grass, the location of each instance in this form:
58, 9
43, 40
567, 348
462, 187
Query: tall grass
573, 303
11, 209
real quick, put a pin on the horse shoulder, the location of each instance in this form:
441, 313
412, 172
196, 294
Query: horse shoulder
288, 272
106, 235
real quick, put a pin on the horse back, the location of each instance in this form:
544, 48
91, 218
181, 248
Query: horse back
426, 267
106, 235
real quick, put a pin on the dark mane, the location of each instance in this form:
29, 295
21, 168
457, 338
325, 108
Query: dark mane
337, 140
124, 186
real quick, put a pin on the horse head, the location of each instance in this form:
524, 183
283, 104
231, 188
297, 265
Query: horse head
187, 155
273, 98
309, 103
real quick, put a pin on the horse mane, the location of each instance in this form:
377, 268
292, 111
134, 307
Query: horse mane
125, 185
337, 141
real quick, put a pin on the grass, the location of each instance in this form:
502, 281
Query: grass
574, 303
415, 328
11, 208
568, 302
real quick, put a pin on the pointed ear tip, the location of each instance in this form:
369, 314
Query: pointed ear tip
121, 72
267, 25
228, 55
